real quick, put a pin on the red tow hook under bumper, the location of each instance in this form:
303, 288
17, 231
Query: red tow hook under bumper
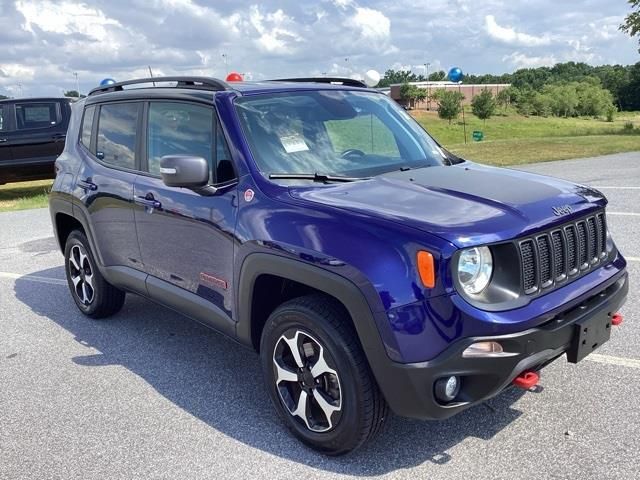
526, 380
616, 319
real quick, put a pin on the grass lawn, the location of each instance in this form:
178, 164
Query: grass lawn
512, 139
21, 196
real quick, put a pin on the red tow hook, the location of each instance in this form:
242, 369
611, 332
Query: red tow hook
616, 319
526, 380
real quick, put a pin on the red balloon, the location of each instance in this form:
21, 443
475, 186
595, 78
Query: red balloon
234, 77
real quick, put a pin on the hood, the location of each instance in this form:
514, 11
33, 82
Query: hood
466, 204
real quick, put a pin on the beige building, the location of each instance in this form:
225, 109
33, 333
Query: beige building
468, 90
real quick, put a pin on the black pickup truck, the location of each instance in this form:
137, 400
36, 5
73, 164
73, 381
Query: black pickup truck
32, 135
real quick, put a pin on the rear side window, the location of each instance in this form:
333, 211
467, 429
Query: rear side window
87, 126
36, 115
179, 129
2, 126
116, 142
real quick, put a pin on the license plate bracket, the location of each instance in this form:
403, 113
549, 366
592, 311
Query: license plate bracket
589, 334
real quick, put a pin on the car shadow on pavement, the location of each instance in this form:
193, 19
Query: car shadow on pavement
220, 383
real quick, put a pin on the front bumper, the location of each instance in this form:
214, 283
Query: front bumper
409, 388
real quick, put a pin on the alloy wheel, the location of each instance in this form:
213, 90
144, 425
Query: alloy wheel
81, 274
308, 387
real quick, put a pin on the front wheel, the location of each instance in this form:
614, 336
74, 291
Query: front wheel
318, 377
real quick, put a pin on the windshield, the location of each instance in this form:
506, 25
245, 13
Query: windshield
334, 132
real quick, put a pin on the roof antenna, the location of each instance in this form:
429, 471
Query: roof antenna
151, 74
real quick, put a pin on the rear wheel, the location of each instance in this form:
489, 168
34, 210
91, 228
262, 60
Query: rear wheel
94, 296
318, 377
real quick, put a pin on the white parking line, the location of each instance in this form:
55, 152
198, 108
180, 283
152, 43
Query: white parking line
629, 214
33, 278
615, 188
632, 259
609, 360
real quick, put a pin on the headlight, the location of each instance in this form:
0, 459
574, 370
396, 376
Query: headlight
475, 266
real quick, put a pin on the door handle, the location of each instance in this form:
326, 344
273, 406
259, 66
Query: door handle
148, 201
87, 185
59, 136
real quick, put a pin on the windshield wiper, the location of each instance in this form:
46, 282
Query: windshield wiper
316, 177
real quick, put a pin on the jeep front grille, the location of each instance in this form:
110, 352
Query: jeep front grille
563, 253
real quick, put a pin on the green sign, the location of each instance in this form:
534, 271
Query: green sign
477, 136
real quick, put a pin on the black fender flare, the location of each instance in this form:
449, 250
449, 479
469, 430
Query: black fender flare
350, 294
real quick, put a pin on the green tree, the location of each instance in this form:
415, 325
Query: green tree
631, 23
73, 94
541, 104
503, 98
411, 94
398, 76
483, 105
449, 104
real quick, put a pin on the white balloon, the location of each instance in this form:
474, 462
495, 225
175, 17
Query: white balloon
371, 78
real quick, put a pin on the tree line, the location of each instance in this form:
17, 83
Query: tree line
621, 81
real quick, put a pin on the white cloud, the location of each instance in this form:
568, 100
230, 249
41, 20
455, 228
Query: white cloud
510, 36
521, 60
65, 18
372, 24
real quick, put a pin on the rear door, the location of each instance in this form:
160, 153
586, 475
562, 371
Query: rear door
39, 132
186, 238
5, 143
104, 185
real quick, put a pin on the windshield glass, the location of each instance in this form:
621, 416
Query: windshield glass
336, 132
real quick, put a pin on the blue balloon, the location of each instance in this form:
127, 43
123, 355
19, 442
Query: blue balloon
107, 81
455, 75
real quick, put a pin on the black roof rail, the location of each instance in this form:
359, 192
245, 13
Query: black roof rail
196, 83
349, 82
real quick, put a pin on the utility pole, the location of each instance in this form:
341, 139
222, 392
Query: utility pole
75, 74
20, 88
346, 62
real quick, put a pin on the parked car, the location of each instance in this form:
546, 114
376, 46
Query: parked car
317, 223
32, 135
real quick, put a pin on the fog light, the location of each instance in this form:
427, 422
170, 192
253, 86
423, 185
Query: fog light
484, 349
447, 388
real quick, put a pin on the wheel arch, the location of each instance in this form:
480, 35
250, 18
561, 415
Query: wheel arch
260, 268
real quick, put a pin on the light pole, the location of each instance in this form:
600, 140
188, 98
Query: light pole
75, 74
346, 62
426, 74
20, 88
226, 64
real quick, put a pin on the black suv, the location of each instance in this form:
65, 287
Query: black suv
32, 135
320, 225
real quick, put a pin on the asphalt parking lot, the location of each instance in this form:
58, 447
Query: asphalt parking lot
149, 394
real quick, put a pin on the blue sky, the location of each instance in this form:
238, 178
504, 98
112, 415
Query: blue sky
45, 42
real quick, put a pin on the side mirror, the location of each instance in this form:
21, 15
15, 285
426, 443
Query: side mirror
184, 171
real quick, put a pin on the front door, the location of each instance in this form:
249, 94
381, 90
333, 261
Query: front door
186, 238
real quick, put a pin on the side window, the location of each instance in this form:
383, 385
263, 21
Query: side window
87, 126
2, 125
116, 142
36, 115
179, 129
224, 165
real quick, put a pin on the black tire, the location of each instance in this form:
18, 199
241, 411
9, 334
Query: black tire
105, 299
363, 410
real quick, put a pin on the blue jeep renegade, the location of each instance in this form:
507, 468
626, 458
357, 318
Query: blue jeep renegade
317, 223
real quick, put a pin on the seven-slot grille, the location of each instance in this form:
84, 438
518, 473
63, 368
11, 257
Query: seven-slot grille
562, 253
